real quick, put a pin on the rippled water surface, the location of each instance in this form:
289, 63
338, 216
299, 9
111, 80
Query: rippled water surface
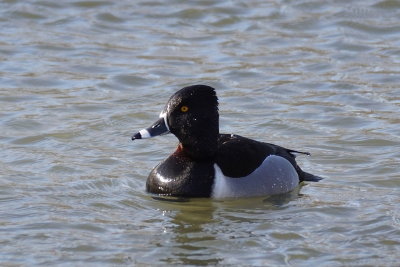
77, 78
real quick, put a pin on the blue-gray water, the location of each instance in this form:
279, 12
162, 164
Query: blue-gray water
77, 78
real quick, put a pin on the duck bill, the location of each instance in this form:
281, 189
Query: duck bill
160, 127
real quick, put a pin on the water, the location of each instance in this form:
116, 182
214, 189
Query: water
77, 78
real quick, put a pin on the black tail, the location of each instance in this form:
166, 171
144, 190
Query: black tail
305, 176
299, 152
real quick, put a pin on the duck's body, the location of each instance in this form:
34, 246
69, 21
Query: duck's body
209, 164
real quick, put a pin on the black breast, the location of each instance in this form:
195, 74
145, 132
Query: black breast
178, 175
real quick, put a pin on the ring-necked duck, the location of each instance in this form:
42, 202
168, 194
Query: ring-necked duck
209, 164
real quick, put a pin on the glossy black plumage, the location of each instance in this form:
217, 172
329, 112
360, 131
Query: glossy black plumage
191, 114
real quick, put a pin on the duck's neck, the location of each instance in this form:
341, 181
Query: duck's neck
201, 152
202, 145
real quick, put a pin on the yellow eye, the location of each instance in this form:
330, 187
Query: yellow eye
184, 108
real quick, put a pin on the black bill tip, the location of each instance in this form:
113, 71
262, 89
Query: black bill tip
136, 136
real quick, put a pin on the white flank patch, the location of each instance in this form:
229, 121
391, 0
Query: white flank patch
275, 175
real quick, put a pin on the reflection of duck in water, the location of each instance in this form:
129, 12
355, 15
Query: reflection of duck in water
209, 164
201, 229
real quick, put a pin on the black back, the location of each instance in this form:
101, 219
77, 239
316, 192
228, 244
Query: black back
238, 156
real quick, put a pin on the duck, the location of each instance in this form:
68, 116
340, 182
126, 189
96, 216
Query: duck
210, 164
